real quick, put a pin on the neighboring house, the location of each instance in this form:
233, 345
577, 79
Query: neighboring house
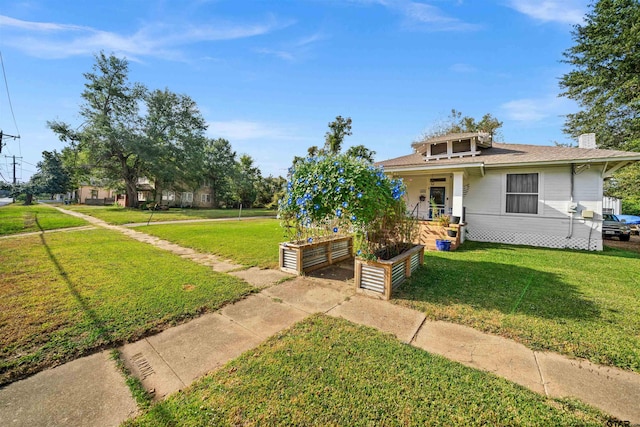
95, 195
510, 193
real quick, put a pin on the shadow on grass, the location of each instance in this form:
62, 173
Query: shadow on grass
98, 326
485, 285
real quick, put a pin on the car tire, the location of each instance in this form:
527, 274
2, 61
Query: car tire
625, 237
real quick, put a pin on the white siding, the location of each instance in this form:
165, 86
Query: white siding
551, 227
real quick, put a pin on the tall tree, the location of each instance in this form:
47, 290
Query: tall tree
51, 177
173, 137
457, 123
605, 80
219, 168
111, 132
362, 152
339, 128
245, 183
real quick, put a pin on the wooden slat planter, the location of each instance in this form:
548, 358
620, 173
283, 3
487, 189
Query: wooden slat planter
301, 258
429, 232
380, 278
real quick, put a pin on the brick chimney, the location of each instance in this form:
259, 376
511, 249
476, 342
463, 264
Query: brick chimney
587, 140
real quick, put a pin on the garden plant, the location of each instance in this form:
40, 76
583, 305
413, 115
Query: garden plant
339, 194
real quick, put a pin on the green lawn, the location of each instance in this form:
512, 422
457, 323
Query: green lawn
64, 295
118, 215
247, 242
326, 371
17, 218
575, 303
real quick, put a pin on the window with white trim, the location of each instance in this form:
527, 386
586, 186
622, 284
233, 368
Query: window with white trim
522, 193
187, 197
168, 195
205, 198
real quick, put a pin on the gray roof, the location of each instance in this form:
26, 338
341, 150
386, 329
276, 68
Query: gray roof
514, 154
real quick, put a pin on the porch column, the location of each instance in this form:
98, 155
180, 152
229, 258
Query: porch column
456, 206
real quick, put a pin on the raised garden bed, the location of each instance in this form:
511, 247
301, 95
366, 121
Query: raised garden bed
379, 278
302, 258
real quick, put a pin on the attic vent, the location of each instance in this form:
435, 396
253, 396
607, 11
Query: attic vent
439, 149
587, 140
462, 146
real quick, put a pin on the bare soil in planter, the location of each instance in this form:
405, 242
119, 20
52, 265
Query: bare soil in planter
393, 251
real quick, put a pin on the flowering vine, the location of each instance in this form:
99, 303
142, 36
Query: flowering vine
340, 194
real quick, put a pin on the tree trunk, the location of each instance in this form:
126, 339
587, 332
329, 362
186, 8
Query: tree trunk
29, 199
132, 194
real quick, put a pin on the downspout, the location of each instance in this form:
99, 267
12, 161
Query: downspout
573, 169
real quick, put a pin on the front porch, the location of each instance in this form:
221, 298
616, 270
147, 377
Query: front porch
430, 231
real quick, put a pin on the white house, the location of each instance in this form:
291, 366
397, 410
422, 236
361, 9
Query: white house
511, 193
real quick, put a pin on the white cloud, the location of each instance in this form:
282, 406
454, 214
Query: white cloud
243, 130
54, 40
535, 109
463, 68
422, 16
293, 50
563, 11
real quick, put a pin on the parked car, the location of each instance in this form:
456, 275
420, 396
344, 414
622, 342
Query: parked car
633, 221
612, 226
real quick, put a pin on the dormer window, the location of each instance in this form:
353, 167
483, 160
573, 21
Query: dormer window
453, 145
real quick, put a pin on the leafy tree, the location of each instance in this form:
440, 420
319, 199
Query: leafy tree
174, 139
269, 191
339, 128
219, 168
246, 180
605, 80
457, 123
51, 178
362, 152
111, 132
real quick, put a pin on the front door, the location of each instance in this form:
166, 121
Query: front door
436, 194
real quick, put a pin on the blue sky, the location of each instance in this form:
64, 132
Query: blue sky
270, 75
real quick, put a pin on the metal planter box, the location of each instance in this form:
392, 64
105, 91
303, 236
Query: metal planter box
301, 258
380, 278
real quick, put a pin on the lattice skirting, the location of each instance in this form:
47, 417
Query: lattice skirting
543, 240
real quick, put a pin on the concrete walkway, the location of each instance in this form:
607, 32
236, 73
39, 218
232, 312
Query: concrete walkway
90, 391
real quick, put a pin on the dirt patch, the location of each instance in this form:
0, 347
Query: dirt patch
631, 245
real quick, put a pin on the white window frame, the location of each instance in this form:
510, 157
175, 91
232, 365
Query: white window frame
205, 198
514, 193
187, 197
168, 195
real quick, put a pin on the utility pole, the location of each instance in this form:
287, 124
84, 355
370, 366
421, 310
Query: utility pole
6, 135
14, 163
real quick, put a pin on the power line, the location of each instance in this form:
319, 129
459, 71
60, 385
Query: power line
6, 85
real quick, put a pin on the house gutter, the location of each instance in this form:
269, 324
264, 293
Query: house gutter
422, 168
573, 171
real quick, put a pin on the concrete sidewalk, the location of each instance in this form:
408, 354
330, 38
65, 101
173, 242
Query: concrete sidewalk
90, 391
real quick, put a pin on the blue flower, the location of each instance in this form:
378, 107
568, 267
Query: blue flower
310, 240
351, 188
341, 181
324, 191
359, 252
335, 229
337, 189
336, 163
359, 195
315, 188
341, 170
338, 212
345, 204
353, 217
316, 206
